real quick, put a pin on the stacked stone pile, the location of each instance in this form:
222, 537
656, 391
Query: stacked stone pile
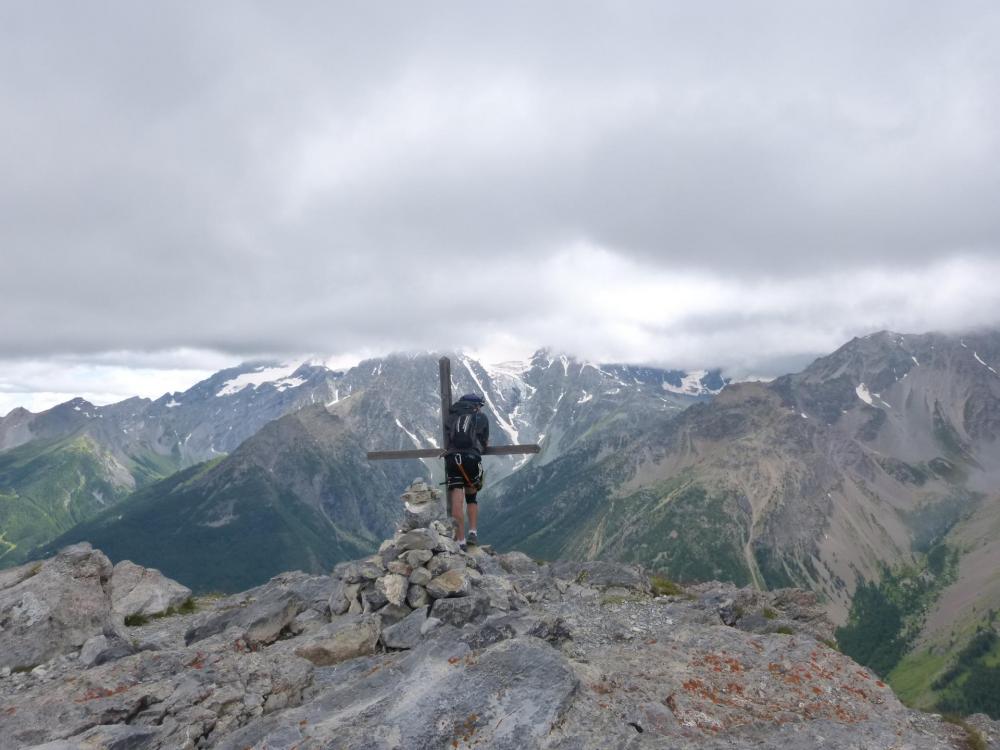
419, 579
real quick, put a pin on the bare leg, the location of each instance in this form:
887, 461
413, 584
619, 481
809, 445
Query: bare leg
457, 496
473, 515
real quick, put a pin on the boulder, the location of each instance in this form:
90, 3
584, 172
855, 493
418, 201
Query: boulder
107, 646
372, 569
601, 574
373, 598
399, 567
406, 633
440, 563
339, 601
421, 576
261, 620
416, 557
136, 590
450, 583
393, 613
53, 607
461, 610
417, 596
418, 539
518, 563
394, 587
346, 638
513, 696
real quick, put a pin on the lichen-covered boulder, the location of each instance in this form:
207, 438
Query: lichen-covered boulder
136, 590
54, 606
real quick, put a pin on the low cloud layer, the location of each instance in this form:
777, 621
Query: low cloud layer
690, 185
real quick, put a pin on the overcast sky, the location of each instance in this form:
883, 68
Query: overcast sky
186, 185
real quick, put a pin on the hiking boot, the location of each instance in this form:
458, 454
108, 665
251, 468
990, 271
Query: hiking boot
473, 538
463, 546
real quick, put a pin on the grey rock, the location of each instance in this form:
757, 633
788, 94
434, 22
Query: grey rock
349, 572
388, 553
417, 557
417, 596
450, 583
110, 737
399, 567
489, 633
406, 633
393, 586
485, 703
347, 638
339, 602
261, 621
104, 648
443, 527
440, 563
56, 609
393, 613
178, 696
448, 545
418, 539
518, 563
421, 576
315, 591
600, 574
307, 621
136, 590
500, 591
429, 624
461, 610
373, 599
370, 570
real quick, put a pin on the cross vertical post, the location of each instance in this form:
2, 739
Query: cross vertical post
444, 365
444, 369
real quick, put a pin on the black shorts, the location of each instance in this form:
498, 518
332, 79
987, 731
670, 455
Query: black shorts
464, 470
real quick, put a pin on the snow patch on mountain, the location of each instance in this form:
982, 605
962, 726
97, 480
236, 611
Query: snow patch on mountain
414, 438
279, 376
690, 384
864, 395
980, 361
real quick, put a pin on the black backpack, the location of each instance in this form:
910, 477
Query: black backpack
462, 421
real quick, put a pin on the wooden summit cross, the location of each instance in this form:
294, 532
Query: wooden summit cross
493, 450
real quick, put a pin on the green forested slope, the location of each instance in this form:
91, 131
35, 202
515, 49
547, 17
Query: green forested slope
49, 486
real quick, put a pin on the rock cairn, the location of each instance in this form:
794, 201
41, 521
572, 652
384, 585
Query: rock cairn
420, 578
422, 506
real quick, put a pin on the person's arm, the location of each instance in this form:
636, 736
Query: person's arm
484, 430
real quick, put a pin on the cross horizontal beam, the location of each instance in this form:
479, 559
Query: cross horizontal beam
493, 450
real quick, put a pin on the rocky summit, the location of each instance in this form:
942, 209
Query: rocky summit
424, 645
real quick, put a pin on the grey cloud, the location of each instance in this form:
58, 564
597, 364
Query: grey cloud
248, 178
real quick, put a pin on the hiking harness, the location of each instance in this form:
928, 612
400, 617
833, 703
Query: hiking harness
468, 482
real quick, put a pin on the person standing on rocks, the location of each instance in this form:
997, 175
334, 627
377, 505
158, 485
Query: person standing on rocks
468, 437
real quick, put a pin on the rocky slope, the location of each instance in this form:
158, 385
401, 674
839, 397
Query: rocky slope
422, 646
882, 455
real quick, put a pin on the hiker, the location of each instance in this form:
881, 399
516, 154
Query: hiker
468, 436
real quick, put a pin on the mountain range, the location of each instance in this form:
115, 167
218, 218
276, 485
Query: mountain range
870, 477
389, 403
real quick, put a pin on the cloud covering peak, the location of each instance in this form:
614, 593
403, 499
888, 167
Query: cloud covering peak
717, 183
